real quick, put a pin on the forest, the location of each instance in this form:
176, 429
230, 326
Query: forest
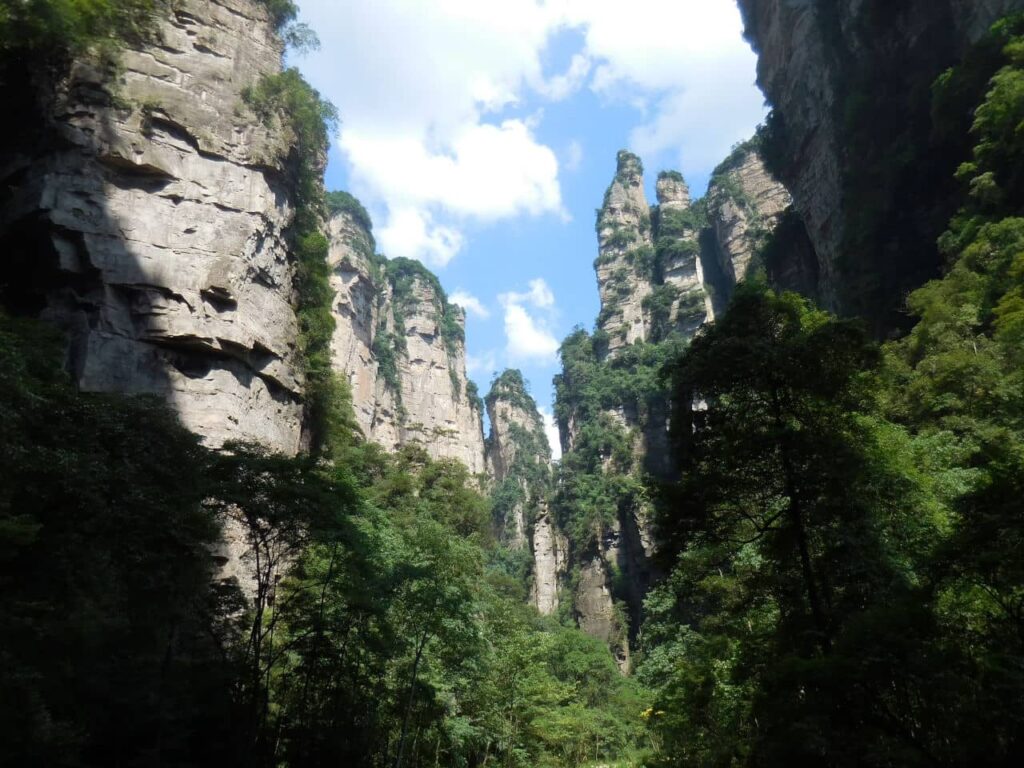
840, 560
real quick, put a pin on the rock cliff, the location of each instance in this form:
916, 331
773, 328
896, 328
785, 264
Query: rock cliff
145, 214
519, 465
745, 204
661, 273
624, 236
852, 134
401, 345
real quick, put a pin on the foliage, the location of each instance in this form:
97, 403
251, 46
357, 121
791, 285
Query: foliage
845, 543
61, 28
340, 201
109, 640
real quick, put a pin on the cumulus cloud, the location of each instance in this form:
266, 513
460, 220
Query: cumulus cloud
528, 334
690, 73
428, 92
470, 303
528, 338
418, 84
551, 430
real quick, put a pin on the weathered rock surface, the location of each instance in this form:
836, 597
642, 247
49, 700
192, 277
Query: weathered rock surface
745, 204
146, 217
653, 275
595, 609
681, 266
623, 227
550, 563
518, 456
435, 407
424, 396
812, 56
360, 297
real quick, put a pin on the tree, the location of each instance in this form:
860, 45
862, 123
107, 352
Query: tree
782, 537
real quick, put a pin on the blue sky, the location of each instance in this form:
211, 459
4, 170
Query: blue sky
481, 135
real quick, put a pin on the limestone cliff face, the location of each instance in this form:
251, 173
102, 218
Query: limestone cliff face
623, 231
519, 466
846, 79
435, 405
658, 272
550, 562
401, 346
679, 263
146, 217
360, 302
745, 204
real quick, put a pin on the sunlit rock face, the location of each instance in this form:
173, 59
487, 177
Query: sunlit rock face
146, 217
811, 58
624, 230
662, 273
405, 363
745, 203
550, 563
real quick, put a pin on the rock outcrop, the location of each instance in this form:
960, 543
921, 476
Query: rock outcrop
550, 562
518, 457
850, 82
745, 204
400, 344
624, 235
659, 270
519, 466
146, 217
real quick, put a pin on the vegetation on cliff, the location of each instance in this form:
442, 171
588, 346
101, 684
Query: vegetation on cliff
845, 544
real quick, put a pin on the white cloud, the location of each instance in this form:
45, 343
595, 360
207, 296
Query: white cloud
412, 231
551, 430
470, 303
563, 86
690, 72
539, 295
416, 84
420, 85
528, 335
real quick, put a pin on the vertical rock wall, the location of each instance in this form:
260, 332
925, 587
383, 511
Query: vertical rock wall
850, 79
400, 345
623, 232
745, 204
653, 275
146, 217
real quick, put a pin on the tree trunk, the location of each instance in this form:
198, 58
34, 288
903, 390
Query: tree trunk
408, 705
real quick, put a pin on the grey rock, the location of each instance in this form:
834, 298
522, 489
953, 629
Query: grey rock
153, 211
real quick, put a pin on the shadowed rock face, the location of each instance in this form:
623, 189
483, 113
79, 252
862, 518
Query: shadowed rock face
425, 398
811, 58
146, 217
519, 465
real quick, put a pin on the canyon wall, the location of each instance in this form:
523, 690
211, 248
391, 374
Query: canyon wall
146, 216
663, 272
853, 135
401, 346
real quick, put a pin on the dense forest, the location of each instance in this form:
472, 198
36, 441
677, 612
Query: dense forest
840, 538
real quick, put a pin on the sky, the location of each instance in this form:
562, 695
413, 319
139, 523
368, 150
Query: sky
481, 136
